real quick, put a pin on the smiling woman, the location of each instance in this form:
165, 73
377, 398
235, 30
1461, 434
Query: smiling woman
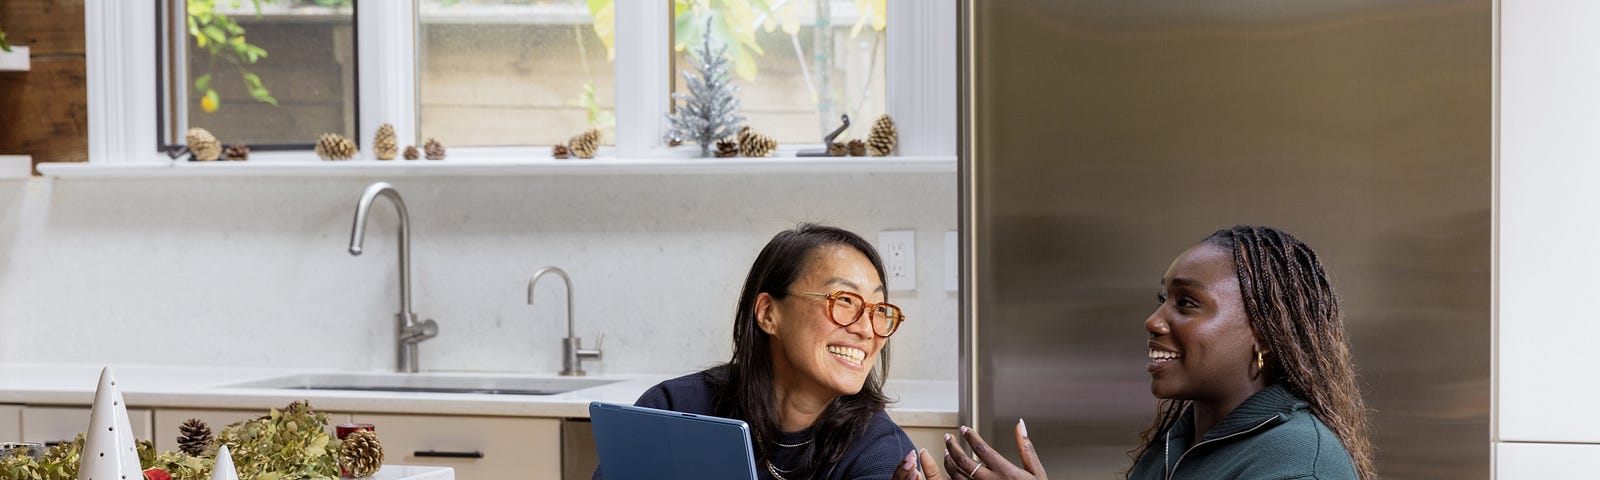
1249, 358
808, 366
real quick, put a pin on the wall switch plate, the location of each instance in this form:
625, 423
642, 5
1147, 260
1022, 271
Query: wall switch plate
952, 261
899, 251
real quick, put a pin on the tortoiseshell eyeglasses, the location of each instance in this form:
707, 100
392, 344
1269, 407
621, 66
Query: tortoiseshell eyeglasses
846, 308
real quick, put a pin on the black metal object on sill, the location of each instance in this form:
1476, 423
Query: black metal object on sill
826, 141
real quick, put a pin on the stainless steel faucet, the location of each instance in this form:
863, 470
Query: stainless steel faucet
572, 351
410, 332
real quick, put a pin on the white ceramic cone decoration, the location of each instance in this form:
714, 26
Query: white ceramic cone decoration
223, 469
108, 449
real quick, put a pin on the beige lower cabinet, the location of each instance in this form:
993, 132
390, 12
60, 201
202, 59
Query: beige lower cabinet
578, 455
51, 425
169, 419
10, 423
476, 447
933, 440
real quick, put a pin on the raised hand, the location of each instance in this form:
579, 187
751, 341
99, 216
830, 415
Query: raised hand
990, 464
908, 467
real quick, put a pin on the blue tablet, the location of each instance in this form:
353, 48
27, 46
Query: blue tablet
646, 443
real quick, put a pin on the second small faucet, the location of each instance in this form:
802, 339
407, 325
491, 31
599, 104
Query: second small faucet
572, 351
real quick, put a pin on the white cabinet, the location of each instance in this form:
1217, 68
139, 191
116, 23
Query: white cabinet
933, 440
169, 419
10, 423
476, 447
1514, 461
50, 425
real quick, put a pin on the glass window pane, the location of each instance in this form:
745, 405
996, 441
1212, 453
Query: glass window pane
267, 72
798, 64
515, 72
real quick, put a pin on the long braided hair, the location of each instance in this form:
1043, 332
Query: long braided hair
744, 386
1293, 309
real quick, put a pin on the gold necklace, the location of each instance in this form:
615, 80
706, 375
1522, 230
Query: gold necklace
772, 469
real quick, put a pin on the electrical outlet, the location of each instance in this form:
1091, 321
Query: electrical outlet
899, 251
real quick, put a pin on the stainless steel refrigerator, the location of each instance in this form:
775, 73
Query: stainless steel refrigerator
1100, 138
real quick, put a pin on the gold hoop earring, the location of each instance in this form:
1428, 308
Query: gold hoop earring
1261, 361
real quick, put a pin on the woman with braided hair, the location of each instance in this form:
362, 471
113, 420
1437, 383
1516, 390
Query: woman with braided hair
1249, 359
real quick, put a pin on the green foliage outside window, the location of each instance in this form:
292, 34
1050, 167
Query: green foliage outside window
222, 37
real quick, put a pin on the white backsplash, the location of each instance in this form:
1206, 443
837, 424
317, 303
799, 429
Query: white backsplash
254, 271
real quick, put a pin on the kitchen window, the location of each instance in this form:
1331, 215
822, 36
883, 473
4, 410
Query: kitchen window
273, 74
514, 72
504, 79
799, 64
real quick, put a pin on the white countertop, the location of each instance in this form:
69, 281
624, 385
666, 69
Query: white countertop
920, 403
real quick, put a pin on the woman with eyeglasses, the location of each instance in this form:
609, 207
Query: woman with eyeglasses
1249, 359
810, 353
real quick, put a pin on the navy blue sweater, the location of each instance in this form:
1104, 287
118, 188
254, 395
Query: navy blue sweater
873, 453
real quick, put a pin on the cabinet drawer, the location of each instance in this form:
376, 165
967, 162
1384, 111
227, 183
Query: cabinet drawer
169, 419
61, 424
10, 423
476, 447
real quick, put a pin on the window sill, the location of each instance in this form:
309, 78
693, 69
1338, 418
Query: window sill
469, 166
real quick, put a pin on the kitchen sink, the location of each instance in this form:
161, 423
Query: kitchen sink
427, 383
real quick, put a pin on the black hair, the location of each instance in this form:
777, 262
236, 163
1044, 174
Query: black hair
744, 386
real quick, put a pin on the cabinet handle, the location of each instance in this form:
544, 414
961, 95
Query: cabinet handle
54, 443
437, 454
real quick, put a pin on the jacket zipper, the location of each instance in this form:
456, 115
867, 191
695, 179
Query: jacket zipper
1174, 470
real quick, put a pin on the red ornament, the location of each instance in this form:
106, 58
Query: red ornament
157, 474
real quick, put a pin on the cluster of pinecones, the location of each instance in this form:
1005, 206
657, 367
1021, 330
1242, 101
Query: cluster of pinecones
385, 145
582, 146
360, 454
747, 143
880, 141
204, 147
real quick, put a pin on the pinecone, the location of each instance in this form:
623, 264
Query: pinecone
332, 146
674, 141
383, 144
203, 144
560, 151
882, 140
857, 148
727, 148
193, 436
837, 149
433, 149
297, 406
236, 152
752, 144
411, 152
360, 454
585, 144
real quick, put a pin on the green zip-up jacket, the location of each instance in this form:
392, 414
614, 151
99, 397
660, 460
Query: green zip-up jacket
1271, 436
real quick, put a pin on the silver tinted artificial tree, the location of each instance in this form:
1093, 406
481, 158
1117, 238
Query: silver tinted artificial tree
706, 113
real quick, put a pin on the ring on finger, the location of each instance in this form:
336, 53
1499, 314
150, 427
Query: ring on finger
975, 469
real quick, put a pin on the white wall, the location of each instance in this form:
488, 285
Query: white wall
254, 271
1549, 239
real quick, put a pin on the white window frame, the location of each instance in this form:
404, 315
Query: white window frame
121, 67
